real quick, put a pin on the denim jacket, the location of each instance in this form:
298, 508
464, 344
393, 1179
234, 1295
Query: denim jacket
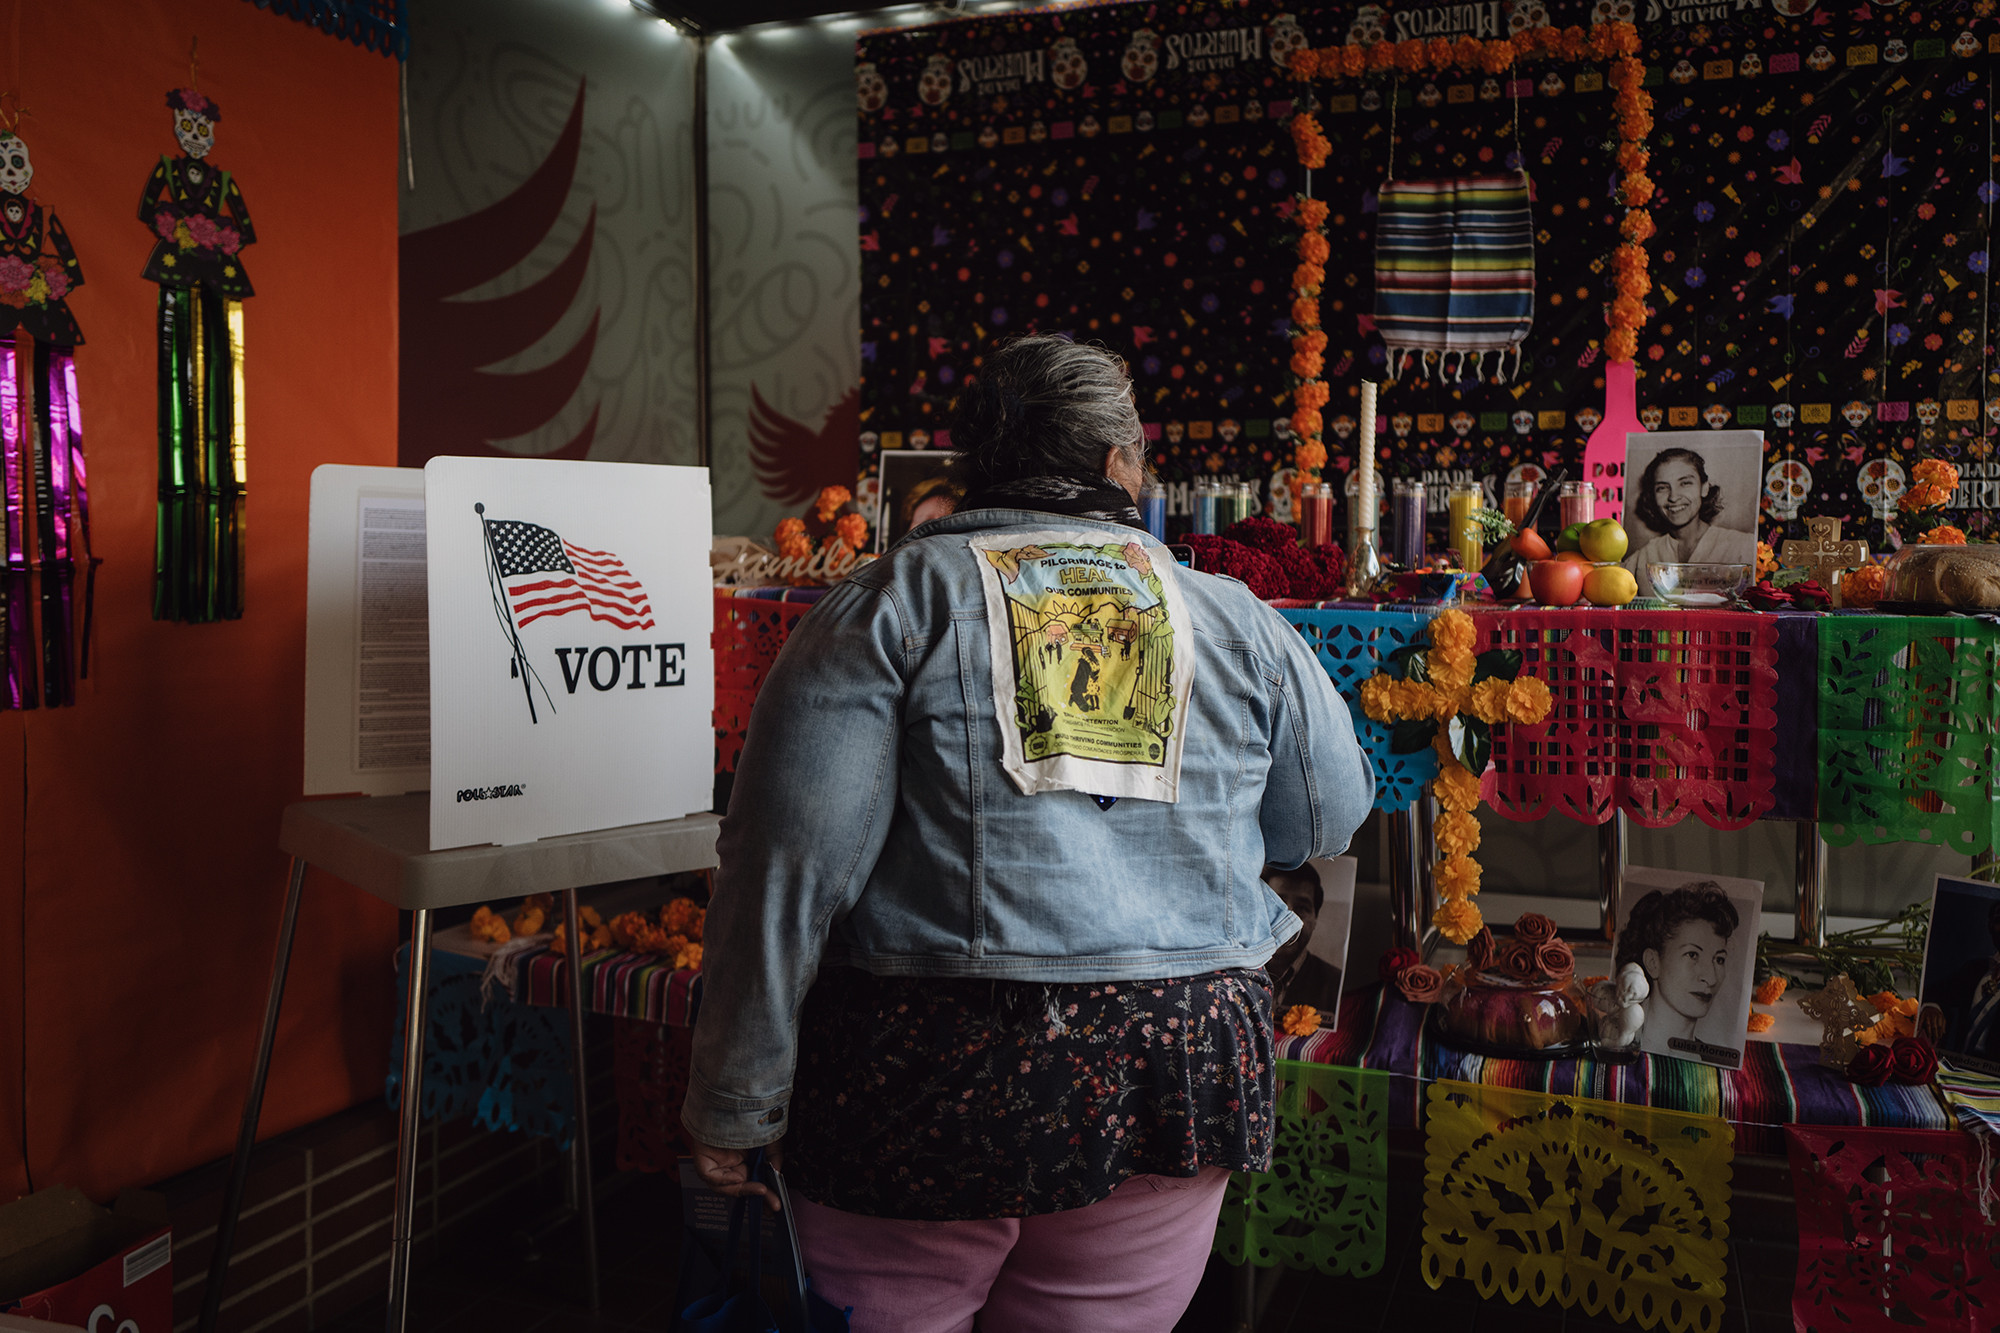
871, 823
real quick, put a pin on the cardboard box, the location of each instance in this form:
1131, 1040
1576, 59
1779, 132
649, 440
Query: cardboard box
65, 1260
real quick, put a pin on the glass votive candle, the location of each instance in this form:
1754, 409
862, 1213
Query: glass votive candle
1204, 507
1579, 502
1461, 500
1247, 502
1316, 513
1408, 510
1153, 509
1515, 500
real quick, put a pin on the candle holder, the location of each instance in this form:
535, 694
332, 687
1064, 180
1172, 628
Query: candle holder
1364, 562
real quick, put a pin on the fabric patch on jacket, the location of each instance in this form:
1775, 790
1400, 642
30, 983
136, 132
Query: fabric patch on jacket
1092, 666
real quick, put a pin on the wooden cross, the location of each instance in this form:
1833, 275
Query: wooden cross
1840, 1011
1824, 555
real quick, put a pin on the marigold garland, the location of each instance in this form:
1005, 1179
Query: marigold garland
1439, 694
1311, 393
1617, 43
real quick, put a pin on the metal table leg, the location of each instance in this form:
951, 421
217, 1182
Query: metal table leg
409, 1118
1810, 903
1610, 871
585, 1184
253, 1108
1406, 875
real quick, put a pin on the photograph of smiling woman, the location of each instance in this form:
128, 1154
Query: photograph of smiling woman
1691, 498
1696, 942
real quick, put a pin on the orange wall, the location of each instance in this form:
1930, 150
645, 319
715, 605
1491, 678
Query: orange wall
140, 880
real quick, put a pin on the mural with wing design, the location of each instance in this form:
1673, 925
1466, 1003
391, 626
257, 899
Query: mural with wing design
793, 460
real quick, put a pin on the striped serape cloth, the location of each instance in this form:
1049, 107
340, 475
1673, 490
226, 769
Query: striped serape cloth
624, 985
1973, 1097
1778, 1085
1455, 270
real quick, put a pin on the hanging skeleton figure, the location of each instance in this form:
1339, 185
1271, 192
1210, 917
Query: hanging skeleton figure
43, 444
201, 225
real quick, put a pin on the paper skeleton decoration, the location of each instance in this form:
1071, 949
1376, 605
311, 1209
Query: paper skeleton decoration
200, 226
41, 433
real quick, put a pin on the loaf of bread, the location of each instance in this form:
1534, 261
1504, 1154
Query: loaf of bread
1964, 578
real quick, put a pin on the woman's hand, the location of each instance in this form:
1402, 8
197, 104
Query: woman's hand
727, 1170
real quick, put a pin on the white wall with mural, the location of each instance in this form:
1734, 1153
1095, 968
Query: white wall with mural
547, 293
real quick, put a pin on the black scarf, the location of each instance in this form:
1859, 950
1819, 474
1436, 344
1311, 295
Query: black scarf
1097, 498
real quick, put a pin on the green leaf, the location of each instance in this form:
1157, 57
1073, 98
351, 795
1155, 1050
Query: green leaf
1472, 742
1408, 662
1412, 734
1496, 664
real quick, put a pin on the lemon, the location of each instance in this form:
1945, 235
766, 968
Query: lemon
1610, 585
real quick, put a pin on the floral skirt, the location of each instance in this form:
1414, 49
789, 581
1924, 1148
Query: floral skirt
950, 1099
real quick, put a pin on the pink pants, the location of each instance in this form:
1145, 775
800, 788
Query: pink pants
1129, 1264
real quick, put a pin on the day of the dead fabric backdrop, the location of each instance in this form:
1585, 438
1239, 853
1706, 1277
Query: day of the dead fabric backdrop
1124, 173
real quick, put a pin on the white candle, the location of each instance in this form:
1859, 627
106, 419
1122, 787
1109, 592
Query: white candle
1364, 494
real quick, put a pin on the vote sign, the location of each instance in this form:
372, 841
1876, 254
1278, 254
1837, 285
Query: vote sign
572, 682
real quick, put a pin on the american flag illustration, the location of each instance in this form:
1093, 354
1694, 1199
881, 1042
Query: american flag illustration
547, 576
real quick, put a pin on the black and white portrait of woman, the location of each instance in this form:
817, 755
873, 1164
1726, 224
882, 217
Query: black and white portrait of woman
1691, 499
1695, 939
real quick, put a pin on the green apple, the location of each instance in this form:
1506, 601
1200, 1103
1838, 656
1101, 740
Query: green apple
1603, 540
1570, 538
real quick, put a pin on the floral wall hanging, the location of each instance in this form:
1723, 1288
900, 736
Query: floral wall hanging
200, 225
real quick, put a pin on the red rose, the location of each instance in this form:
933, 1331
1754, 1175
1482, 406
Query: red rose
1420, 983
1479, 950
1519, 959
1871, 1066
1534, 928
1556, 959
1913, 1060
1394, 962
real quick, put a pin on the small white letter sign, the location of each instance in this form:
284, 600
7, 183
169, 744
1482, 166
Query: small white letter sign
572, 681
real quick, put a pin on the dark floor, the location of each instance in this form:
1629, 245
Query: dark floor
499, 1284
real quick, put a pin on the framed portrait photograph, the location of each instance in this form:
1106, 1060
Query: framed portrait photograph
1691, 498
1693, 937
913, 490
1311, 967
1960, 988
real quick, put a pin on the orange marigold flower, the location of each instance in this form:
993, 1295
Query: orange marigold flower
796, 547
1944, 535
1313, 393
1308, 365
1456, 789
1450, 668
1454, 629
1439, 52
490, 926
1762, 1022
1313, 248
1864, 586
1304, 63
1489, 700
1305, 312
1308, 278
1456, 877
1301, 1020
1312, 216
788, 528
1767, 559
1921, 496
1936, 472
852, 529
1312, 340
1496, 55
1467, 52
1770, 990
1311, 456
683, 916
1457, 921
1636, 189
1306, 423
1353, 60
1378, 698
1621, 345
688, 958
1528, 700
831, 498
1457, 833
1637, 226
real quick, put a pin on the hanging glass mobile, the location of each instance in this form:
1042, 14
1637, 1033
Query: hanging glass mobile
41, 443
200, 226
